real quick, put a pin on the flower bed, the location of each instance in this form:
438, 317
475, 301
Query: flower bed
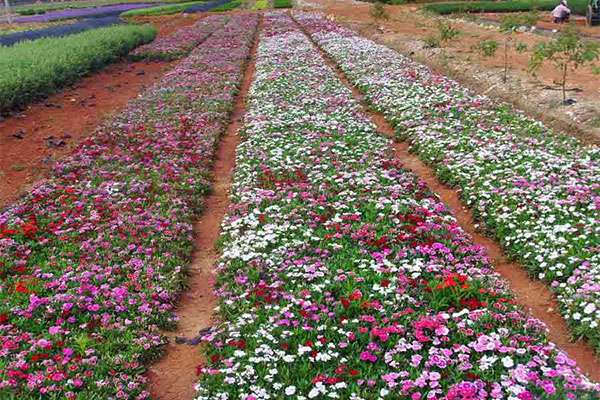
342, 276
92, 259
536, 191
180, 42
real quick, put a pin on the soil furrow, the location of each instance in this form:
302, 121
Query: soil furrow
533, 295
173, 377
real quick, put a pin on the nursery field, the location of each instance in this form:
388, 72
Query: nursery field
246, 227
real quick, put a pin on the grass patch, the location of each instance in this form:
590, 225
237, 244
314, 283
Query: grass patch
261, 5
33, 9
282, 4
34, 69
160, 10
577, 6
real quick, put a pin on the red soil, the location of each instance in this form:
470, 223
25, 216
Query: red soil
533, 295
173, 376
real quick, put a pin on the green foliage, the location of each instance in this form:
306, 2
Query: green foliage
577, 6
378, 11
282, 4
446, 31
567, 51
160, 10
34, 69
487, 48
432, 41
520, 47
42, 8
228, 6
261, 5
510, 23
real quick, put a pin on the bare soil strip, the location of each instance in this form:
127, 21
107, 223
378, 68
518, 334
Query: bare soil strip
533, 295
173, 377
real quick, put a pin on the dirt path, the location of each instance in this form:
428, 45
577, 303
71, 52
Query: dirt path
173, 377
534, 296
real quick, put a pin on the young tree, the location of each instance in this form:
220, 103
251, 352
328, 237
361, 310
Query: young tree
567, 51
378, 11
508, 25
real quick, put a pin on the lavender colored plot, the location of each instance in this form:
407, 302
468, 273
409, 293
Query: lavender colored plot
60, 30
94, 12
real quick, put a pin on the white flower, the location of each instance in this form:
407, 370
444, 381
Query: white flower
508, 362
290, 390
590, 308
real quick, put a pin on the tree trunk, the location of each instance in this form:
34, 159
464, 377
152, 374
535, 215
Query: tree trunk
505, 60
564, 83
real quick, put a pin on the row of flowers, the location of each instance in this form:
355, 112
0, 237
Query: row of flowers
342, 276
91, 260
180, 42
536, 191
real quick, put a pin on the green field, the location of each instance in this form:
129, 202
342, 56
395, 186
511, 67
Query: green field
282, 4
31, 9
160, 10
577, 6
34, 69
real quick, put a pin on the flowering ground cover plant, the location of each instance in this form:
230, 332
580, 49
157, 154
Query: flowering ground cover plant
342, 276
180, 42
92, 259
536, 191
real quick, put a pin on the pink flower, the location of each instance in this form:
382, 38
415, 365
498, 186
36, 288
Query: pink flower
367, 356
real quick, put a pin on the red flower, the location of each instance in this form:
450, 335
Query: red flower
356, 295
345, 302
3, 318
21, 287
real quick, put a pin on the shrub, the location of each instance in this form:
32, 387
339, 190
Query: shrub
160, 10
282, 4
487, 48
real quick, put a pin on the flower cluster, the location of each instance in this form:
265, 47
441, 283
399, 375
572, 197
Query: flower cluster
180, 42
536, 191
92, 259
342, 276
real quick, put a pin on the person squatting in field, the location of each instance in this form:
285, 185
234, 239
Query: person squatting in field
561, 12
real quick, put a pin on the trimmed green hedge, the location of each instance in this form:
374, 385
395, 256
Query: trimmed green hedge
32, 9
160, 10
282, 4
577, 6
34, 69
